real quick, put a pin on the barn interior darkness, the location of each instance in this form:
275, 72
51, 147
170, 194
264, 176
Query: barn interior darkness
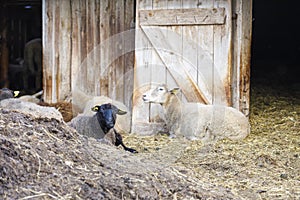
275, 55
21, 22
276, 44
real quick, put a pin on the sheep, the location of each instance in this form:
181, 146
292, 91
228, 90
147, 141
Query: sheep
101, 125
82, 103
198, 121
6, 93
33, 65
32, 98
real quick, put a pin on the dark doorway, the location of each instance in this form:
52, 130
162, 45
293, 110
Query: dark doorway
276, 44
21, 21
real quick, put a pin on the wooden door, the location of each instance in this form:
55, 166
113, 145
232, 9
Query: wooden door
186, 44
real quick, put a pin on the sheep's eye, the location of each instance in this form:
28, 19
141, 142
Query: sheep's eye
160, 89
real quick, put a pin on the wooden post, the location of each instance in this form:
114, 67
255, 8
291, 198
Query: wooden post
4, 52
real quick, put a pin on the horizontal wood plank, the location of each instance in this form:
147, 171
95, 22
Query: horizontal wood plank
194, 16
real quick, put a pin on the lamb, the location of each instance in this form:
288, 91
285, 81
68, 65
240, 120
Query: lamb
101, 125
198, 121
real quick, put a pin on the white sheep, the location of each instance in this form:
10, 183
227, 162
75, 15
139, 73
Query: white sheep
198, 121
32, 98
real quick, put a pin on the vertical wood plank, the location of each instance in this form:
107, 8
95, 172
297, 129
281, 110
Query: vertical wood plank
83, 48
205, 52
246, 56
223, 57
90, 62
142, 70
242, 53
76, 44
4, 51
112, 48
129, 47
119, 51
104, 51
56, 40
174, 4
48, 49
189, 48
158, 72
97, 48
64, 69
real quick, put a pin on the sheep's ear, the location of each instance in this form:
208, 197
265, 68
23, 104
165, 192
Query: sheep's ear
16, 93
95, 108
174, 90
121, 112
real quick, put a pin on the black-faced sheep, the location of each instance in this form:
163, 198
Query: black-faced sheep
82, 103
101, 125
198, 121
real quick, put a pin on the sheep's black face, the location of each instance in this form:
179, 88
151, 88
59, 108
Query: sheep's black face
107, 115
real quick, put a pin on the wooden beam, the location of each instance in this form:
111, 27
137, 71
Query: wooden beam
175, 17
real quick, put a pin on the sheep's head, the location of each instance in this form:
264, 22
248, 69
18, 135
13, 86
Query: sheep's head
160, 94
107, 115
6, 93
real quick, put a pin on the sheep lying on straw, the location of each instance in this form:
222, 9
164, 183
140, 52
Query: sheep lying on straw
198, 121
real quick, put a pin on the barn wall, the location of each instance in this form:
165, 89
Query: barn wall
82, 51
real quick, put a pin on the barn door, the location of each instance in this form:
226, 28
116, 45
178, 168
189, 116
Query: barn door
185, 44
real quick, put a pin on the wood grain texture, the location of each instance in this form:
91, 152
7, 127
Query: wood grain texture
175, 17
80, 50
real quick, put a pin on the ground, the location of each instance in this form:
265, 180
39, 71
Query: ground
46, 159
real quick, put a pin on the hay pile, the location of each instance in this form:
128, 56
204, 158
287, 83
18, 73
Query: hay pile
46, 159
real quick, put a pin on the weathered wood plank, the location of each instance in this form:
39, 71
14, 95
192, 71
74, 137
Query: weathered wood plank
142, 71
64, 71
205, 48
90, 58
48, 50
104, 48
242, 53
4, 51
56, 40
172, 61
191, 16
158, 72
173, 30
129, 52
119, 51
112, 51
97, 48
223, 58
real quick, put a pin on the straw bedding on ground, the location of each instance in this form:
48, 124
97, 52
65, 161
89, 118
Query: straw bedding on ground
46, 159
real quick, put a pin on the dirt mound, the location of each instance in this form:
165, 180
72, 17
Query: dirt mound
46, 159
